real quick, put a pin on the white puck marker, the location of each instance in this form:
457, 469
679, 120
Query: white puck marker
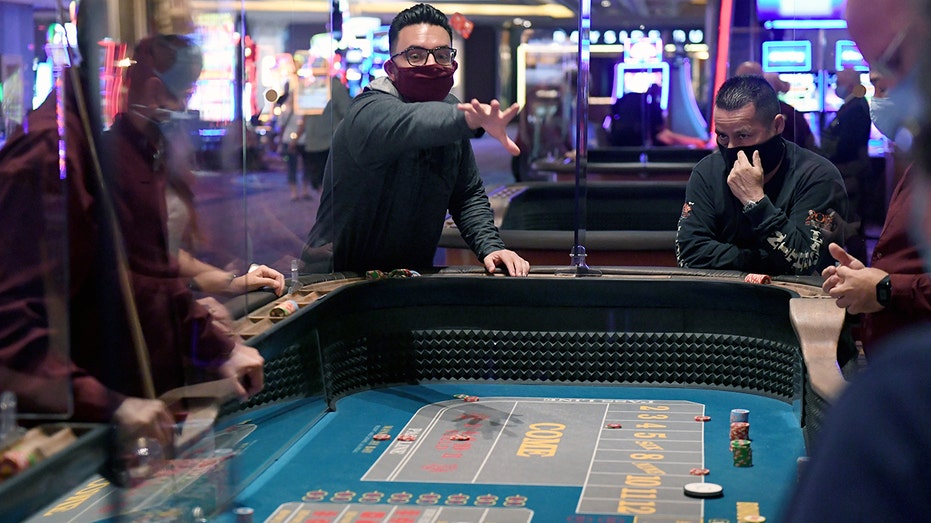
703, 490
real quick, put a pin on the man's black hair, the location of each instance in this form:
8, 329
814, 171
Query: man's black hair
418, 14
739, 91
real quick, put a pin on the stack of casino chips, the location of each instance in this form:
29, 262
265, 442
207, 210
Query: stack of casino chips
740, 438
743, 454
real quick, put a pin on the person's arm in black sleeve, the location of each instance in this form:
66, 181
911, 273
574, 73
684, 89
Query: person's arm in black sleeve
697, 239
471, 210
385, 125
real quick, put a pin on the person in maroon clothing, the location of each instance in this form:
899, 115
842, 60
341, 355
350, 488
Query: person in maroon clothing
894, 291
184, 343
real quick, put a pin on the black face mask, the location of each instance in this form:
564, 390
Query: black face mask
771, 153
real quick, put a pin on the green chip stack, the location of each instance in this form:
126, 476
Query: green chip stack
743, 455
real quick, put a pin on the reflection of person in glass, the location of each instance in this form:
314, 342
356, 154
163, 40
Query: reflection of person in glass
182, 340
402, 159
759, 203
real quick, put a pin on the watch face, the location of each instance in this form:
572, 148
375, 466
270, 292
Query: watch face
884, 291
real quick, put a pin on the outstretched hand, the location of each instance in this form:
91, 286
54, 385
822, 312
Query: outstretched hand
491, 118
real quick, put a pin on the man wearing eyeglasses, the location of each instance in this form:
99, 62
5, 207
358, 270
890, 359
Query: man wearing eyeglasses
401, 159
894, 291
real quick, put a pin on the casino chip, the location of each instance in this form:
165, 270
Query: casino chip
699, 472
460, 437
381, 437
703, 418
763, 279
703, 490
470, 399
243, 514
613, 425
407, 437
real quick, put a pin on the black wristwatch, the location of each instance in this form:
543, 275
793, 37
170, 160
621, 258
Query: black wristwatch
884, 291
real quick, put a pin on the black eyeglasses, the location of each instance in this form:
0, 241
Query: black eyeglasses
444, 55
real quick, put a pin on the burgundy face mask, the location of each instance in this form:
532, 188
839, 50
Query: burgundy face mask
425, 83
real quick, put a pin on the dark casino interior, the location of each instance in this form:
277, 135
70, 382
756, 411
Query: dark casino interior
612, 384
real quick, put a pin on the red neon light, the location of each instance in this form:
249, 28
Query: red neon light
723, 52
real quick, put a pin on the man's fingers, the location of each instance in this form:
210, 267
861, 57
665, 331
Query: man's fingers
839, 254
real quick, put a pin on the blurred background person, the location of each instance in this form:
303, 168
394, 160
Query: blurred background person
289, 143
637, 120
317, 131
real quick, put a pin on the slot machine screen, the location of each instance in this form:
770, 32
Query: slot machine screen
794, 9
638, 79
805, 91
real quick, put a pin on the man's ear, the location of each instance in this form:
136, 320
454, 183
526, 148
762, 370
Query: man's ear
391, 69
779, 123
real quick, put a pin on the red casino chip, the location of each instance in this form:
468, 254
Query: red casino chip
460, 437
407, 437
699, 472
381, 437
703, 418
762, 279
613, 425
470, 399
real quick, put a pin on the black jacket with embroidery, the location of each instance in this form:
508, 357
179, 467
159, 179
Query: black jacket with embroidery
785, 233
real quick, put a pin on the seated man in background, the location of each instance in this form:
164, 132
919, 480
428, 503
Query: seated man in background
637, 120
759, 204
401, 160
